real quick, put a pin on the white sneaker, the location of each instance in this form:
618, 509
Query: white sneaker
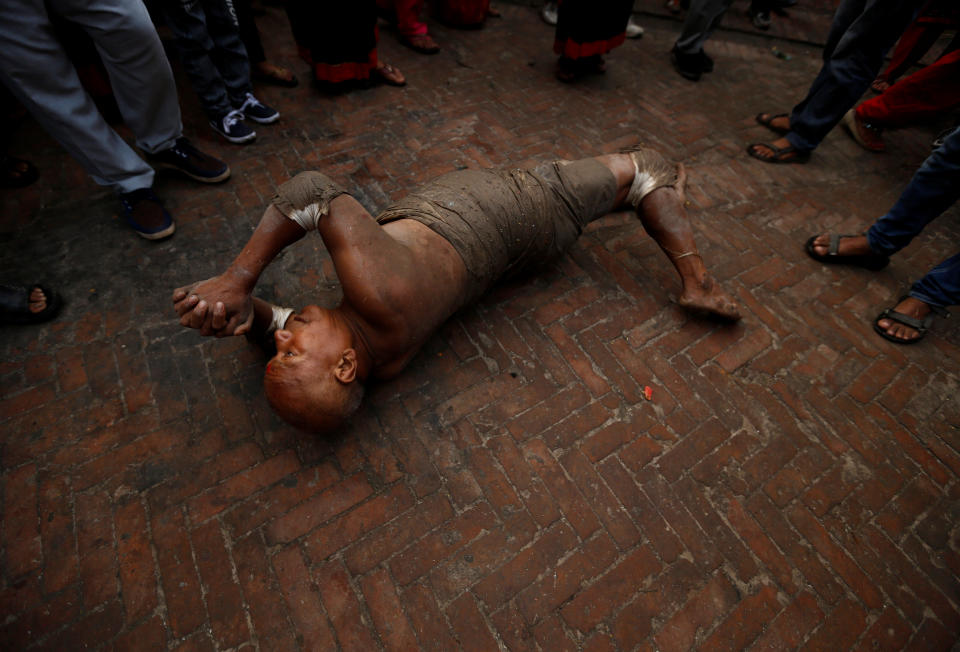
633, 29
549, 13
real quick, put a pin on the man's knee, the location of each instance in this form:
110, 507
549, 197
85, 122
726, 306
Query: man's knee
651, 171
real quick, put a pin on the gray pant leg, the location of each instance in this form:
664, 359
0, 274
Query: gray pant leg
138, 68
37, 71
702, 19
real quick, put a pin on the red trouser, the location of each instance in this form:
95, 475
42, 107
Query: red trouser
924, 94
407, 13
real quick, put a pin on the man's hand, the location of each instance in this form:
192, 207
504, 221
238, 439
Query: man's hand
218, 306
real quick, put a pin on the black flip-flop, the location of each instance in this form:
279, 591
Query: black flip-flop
871, 261
789, 154
15, 304
768, 122
920, 325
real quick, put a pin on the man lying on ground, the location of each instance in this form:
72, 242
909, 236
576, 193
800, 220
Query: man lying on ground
404, 273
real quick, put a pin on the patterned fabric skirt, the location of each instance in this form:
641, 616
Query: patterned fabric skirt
587, 28
338, 39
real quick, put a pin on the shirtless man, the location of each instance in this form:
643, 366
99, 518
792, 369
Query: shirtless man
423, 259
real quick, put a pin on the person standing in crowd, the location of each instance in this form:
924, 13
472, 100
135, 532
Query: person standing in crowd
918, 98
405, 14
38, 72
261, 69
860, 35
585, 33
703, 18
208, 39
339, 42
931, 191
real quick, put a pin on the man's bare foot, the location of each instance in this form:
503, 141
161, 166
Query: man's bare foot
388, 74
851, 245
778, 122
891, 325
707, 296
270, 73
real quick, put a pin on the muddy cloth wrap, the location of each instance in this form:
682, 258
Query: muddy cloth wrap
306, 198
505, 222
650, 171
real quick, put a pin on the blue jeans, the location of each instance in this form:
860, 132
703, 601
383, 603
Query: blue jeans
208, 40
860, 35
932, 190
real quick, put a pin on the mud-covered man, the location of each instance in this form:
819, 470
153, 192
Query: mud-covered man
405, 272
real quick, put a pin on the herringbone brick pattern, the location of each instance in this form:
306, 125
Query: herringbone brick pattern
792, 483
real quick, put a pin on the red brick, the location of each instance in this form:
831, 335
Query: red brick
439, 544
91, 631
517, 573
397, 534
468, 626
314, 512
698, 615
744, 623
303, 600
535, 496
343, 607
21, 526
779, 530
25, 401
242, 485
550, 412
691, 449
616, 435
739, 354
840, 630
932, 636
571, 503
735, 448
759, 543
135, 559
181, 584
227, 617
35, 621
354, 524
148, 635
792, 626
767, 461
55, 507
796, 476
260, 591
569, 429
642, 510
904, 509
609, 366
601, 599
427, 619
494, 484
555, 588
550, 635
666, 593
249, 514
512, 631
888, 632
70, 371
387, 612
603, 502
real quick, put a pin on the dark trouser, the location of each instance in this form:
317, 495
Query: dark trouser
213, 55
932, 190
861, 34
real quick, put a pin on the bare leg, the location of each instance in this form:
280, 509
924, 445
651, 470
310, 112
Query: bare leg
664, 218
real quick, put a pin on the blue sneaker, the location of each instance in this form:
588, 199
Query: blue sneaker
232, 127
254, 109
143, 211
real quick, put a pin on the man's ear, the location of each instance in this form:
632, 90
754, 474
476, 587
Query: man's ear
346, 369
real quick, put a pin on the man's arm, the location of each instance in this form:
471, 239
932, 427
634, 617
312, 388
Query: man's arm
226, 299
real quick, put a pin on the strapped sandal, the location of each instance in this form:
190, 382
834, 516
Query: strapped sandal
872, 261
789, 154
920, 325
768, 122
15, 304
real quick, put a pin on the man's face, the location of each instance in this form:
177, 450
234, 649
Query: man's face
309, 343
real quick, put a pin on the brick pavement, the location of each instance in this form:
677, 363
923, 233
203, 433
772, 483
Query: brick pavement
791, 484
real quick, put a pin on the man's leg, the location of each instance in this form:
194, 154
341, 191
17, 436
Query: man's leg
133, 56
666, 221
230, 55
925, 94
36, 69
